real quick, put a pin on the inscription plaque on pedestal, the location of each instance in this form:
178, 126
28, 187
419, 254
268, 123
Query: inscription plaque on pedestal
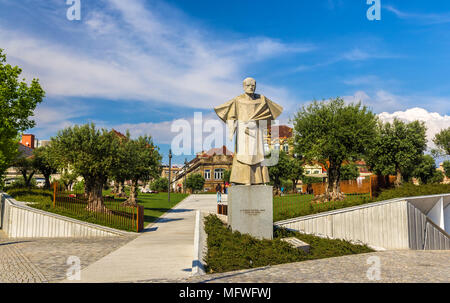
250, 210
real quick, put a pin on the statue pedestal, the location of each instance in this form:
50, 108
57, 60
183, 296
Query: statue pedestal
250, 210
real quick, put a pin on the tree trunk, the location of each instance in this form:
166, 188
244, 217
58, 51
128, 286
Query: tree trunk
47, 181
27, 180
399, 179
333, 188
132, 200
95, 196
115, 188
331, 184
121, 192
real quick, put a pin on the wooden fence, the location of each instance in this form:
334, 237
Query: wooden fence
371, 186
113, 215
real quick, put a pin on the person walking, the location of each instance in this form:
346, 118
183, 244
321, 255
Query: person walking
219, 193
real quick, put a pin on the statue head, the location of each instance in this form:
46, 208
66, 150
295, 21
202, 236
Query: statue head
249, 86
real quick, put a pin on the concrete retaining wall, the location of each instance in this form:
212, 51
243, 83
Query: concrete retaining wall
21, 221
392, 224
424, 233
200, 245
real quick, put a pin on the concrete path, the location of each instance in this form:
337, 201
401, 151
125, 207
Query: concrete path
163, 251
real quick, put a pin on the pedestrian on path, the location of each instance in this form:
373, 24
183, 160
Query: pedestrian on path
219, 193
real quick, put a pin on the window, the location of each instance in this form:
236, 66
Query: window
218, 173
286, 148
207, 174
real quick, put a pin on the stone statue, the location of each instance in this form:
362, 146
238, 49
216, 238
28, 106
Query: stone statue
248, 115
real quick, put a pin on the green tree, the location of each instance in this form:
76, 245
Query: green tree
68, 178
142, 161
349, 172
226, 175
397, 148
79, 186
120, 171
25, 165
332, 132
90, 153
311, 180
446, 166
437, 177
280, 171
161, 184
425, 170
195, 182
17, 103
45, 163
295, 171
442, 141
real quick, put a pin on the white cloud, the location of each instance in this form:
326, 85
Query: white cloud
162, 134
420, 17
434, 121
385, 101
55, 116
128, 52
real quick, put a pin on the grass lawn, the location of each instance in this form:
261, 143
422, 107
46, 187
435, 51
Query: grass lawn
156, 205
295, 205
229, 251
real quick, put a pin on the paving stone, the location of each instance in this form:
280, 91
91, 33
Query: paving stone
45, 260
405, 266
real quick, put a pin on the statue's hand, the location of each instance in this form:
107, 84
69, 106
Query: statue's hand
251, 134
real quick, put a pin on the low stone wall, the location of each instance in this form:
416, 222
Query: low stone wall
21, 221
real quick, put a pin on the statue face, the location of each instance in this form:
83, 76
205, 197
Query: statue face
249, 86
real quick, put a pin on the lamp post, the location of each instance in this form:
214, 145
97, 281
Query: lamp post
185, 173
170, 168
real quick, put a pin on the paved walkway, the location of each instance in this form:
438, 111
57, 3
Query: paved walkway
403, 266
164, 253
45, 260
164, 250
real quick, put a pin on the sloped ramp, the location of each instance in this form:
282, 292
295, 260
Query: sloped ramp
418, 223
424, 234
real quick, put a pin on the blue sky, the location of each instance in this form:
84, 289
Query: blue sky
140, 65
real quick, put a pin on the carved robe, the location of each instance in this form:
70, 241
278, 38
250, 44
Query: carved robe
246, 116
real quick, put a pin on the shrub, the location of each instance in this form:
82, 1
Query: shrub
160, 184
437, 177
446, 166
31, 195
411, 190
311, 180
20, 183
349, 172
195, 182
229, 250
79, 186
